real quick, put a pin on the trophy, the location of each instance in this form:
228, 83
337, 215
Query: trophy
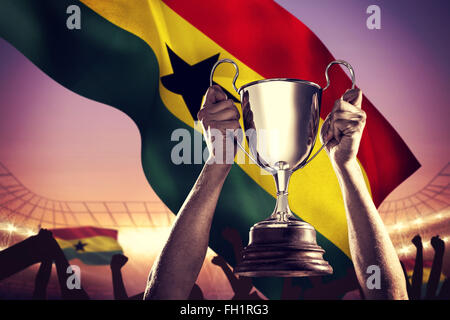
281, 122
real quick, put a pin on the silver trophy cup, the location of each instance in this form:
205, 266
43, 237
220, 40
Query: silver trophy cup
281, 122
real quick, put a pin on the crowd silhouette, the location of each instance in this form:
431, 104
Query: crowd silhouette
120, 293
414, 287
242, 286
43, 248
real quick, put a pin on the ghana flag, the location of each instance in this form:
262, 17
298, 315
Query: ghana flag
93, 246
151, 59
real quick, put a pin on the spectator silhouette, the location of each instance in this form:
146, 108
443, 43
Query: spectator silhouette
242, 286
414, 289
290, 291
323, 290
334, 289
234, 238
120, 293
433, 281
117, 262
42, 279
40, 248
417, 277
24, 254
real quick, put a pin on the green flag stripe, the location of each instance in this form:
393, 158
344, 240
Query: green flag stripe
107, 64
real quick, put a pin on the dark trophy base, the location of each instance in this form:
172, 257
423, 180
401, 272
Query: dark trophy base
283, 249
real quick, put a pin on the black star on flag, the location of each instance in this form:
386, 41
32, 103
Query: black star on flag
190, 81
80, 246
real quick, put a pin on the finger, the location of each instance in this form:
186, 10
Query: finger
214, 94
221, 125
219, 106
227, 124
224, 110
359, 115
353, 96
336, 131
346, 106
345, 127
225, 114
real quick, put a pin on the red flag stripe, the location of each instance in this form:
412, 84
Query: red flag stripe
83, 232
274, 43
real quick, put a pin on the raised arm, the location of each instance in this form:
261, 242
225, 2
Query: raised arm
177, 267
24, 254
368, 238
42, 279
117, 262
232, 278
417, 277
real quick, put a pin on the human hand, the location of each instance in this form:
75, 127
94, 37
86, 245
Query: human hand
118, 261
220, 119
343, 128
218, 261
46, 246
417, 241
438, 244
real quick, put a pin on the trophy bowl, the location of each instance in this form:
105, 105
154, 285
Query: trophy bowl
281, 122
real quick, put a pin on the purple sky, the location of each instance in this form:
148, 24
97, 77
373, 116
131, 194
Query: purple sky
67, 147
61, 145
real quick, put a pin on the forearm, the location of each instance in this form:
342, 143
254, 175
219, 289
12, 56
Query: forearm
435, 274
19, 256
120, 293
176, 269
417, 277
368, 238
231, 277
42, 279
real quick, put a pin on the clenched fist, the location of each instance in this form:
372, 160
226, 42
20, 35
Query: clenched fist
220, 119
343, 128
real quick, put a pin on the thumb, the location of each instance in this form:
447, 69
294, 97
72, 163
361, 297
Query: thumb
353, 96
215, 94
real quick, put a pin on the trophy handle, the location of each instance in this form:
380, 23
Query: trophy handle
352, 74
235, 76
237, 91
345, 63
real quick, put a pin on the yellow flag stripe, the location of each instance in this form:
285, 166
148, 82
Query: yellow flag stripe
93, 244
315, 194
